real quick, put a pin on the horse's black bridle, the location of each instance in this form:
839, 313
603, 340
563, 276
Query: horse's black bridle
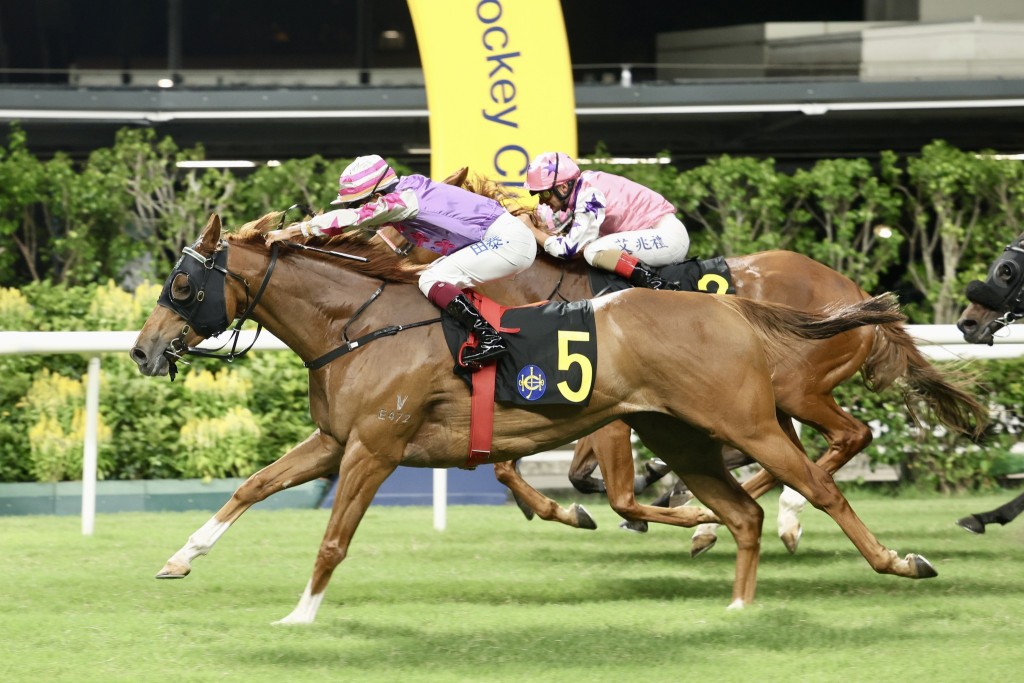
1003, 290
204, 309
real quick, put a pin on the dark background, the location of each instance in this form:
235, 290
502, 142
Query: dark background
285, 34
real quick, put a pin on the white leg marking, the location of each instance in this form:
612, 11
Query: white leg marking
305, 611
706, 529
200, 543
791, 504
736, 604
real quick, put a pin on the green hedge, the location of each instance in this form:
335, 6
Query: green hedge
87, 240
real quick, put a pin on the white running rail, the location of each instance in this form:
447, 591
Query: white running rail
938, 342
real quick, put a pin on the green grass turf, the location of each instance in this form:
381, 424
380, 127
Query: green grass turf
495, 598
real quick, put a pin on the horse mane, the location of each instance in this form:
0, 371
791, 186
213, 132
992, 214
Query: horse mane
485, 187
382, 262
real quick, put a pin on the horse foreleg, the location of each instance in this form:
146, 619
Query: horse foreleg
584, 460
315, 457
359, 477
531, 501
616, 460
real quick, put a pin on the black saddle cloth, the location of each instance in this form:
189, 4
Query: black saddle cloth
551, 357
692, 275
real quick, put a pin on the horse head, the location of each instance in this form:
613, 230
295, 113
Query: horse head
999, 300
195, 303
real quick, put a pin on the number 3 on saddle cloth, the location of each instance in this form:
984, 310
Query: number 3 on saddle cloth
708, 275
551, 359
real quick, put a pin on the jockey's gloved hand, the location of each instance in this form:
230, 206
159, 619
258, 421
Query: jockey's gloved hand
553, 222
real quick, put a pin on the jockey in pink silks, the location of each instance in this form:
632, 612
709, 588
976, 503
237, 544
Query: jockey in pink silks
621, 226
478, 239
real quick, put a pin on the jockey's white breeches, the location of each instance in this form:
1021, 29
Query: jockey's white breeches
507, 247
659, 245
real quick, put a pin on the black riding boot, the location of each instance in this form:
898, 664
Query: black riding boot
489, 342
642, 277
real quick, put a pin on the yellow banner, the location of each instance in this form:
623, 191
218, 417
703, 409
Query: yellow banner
499, 84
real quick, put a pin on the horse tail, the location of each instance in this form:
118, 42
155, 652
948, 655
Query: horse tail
777, 322
895, 358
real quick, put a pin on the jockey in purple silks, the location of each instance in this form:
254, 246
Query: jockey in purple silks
621, 226
478, 239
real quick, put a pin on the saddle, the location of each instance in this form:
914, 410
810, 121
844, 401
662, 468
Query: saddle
551, 359
693, 275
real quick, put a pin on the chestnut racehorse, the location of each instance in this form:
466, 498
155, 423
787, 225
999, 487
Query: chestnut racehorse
803, 381
803, 384
310, 301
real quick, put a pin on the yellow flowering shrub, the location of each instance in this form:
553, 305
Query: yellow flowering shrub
57, 438
112, 308
225, 446
15, 311
212, 393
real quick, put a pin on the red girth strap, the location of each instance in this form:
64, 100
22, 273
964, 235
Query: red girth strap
481, 407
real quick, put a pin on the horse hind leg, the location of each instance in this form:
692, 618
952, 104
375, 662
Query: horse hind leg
705, 536
845, 435
531, 501
784, 461
315, 457
616, 461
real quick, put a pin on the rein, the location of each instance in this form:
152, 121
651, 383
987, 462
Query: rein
352, 345
558, 285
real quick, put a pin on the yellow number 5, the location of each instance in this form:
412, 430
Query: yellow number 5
566, 360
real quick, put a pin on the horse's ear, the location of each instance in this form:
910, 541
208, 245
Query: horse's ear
458, 178
210, 237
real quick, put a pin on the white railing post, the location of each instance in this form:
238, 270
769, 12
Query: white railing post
92, 418
440, 499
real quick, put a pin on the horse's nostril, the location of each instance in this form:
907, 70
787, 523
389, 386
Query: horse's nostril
138, 355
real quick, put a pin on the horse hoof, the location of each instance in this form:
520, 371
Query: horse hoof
170, 575
923, 569
637, 526
701, 544
171, 571
679, 499
791, 539
583, 518
736, 604
972, 524
526, 509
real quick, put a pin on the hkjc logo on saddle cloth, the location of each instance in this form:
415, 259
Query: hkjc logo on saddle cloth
552, 354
